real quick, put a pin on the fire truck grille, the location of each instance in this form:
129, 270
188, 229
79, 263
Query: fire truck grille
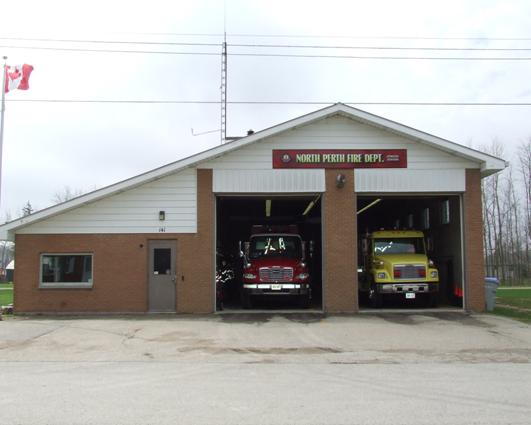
411, 271
276, 274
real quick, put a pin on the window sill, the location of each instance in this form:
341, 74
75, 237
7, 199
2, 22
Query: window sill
65, 285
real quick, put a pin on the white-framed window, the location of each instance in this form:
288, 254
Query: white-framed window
70, 270
445, 212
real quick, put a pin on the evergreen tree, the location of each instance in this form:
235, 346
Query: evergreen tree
27, 209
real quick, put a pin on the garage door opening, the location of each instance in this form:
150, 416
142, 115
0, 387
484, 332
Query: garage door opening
280, 238
410, 251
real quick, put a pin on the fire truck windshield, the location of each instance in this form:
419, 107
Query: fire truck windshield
399, 246
275, 246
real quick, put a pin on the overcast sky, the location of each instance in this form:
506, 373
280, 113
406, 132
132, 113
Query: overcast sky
90, 145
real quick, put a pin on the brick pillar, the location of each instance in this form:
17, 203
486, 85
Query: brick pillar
196, 294
340, 277
473, 238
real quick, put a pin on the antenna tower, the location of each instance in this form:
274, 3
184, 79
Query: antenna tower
224, 90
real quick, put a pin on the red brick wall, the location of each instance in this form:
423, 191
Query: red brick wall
120, 262
196, 292
473, 237
340, 277
120, 267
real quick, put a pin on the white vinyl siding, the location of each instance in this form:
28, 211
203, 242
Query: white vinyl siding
337, 133
403, 180
248, 169
268, 181
133, 211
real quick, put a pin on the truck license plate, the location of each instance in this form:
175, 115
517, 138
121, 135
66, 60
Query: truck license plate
410, 295
276, 287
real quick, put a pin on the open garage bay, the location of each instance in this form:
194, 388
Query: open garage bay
238, 218
439, 220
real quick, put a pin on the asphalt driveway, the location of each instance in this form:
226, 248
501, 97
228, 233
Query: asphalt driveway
392, 368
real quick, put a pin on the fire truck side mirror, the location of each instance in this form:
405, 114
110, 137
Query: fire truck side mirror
312, 248
303, 251
240, 248
364, 246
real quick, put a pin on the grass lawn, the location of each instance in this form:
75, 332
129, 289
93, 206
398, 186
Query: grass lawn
514, 303
6, 293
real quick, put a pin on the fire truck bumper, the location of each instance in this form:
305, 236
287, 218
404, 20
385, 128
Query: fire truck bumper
276, 288
399, 288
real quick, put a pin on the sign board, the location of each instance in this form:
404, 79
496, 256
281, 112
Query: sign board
339, 158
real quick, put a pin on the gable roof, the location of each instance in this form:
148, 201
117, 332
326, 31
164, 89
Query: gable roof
488, 164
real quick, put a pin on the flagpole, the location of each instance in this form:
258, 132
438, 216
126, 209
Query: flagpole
3, 108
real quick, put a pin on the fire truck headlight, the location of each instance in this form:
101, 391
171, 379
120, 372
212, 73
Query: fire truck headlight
381, 275
434, 274
303, 276
249, 276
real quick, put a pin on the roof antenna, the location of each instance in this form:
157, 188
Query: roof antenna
223, 87
203, 132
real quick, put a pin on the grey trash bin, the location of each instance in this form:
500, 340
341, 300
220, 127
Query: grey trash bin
491, 284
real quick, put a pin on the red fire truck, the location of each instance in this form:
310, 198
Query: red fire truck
274, 264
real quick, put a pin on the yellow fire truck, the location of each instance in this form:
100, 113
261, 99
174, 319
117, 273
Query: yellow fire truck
395, 263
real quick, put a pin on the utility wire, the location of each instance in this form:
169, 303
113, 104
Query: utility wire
329, 36
63, 40
324, 36
280, 46
260, 102
457, 58
303, 46
376, 37
75, 49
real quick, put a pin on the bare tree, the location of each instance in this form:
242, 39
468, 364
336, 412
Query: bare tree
512, 222
7, 217
507, 218
65, 194
493, 214
524, 160
6, 253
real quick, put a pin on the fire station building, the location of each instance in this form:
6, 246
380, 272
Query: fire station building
152, 243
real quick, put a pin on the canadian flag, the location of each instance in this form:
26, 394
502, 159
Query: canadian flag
17, 77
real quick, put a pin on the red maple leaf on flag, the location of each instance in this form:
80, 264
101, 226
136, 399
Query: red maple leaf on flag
17, 77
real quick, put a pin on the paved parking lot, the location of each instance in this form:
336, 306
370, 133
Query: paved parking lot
386, 368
